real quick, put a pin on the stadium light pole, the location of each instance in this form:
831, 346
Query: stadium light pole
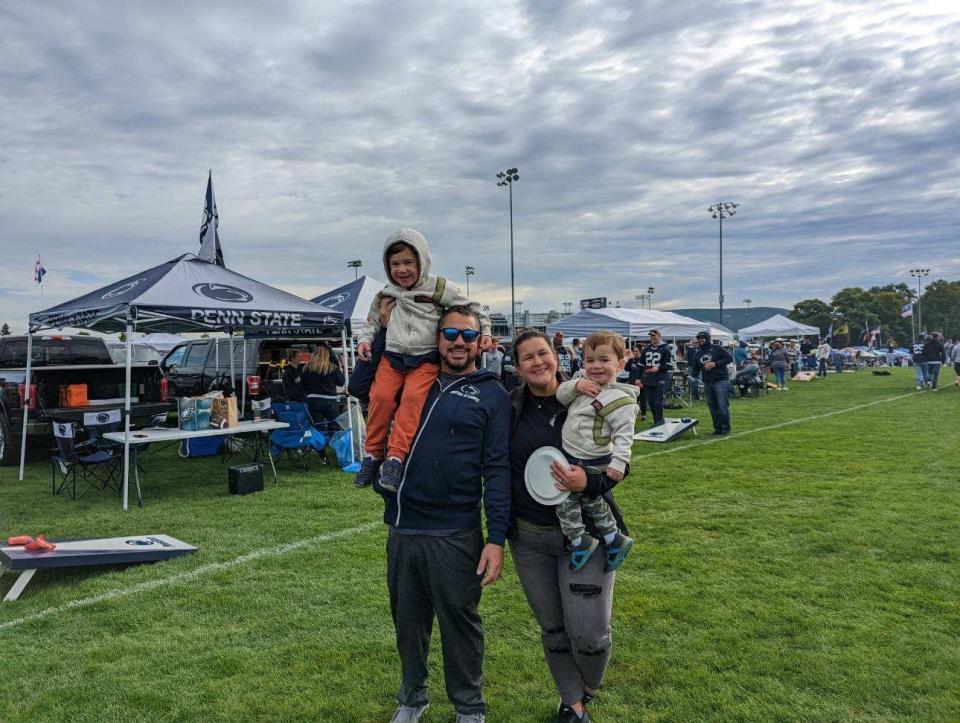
919, 274
650, 291
507, 178
720, 211
469, 271
641, 298
355, 265
748, 302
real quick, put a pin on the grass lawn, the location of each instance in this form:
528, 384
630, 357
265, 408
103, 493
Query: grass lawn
809, 571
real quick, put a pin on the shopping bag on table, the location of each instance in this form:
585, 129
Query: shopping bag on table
226, 408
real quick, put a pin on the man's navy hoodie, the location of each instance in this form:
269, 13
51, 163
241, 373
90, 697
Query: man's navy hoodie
459, 456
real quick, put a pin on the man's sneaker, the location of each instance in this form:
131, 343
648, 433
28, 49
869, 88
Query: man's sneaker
369, 467
471, 718
919, 388
617, 551
566, 714
408, 713
580, 554
390, 474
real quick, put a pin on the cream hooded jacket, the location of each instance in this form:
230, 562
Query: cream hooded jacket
412, 330
601, 425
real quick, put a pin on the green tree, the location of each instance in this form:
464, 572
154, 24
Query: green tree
814, 312
5, 329
940, 307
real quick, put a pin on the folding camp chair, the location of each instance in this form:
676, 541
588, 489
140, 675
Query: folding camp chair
299, 438
99, 468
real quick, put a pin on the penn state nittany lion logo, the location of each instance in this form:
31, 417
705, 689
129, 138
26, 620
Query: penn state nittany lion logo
103, 418
336, 299
222, 292
123, 288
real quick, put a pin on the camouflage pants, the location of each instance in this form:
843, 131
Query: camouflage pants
570, 514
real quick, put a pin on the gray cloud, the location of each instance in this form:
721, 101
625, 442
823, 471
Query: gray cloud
329, 125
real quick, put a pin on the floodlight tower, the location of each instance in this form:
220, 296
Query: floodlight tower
721, 211
469, 271
507, 178
919, 274
355, 265
748, 302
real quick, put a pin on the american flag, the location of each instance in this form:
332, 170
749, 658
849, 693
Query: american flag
906, 310
38, 272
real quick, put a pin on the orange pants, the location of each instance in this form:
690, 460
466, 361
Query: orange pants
412, 386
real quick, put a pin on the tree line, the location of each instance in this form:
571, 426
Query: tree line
854, 312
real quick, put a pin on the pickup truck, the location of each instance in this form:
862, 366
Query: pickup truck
63, 360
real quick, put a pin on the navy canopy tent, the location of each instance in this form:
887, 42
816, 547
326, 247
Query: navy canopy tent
184, 294
353, 301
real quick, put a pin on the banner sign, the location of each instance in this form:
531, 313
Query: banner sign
600, 302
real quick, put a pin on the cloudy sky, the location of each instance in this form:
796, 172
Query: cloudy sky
834, 125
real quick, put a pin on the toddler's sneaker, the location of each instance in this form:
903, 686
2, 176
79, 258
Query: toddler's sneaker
369, 467
580, 554
391, 474
617, 551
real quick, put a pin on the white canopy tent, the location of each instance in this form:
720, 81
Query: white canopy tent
633, 323
778, 325
160, 341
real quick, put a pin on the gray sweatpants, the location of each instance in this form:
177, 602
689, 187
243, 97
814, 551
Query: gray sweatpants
573, 608
429, 576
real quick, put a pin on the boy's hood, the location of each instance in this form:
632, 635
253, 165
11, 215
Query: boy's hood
415, 239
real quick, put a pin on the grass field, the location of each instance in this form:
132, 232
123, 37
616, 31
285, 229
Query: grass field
805, 571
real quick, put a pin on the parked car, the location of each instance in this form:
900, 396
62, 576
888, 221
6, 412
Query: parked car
199, 366
60, 361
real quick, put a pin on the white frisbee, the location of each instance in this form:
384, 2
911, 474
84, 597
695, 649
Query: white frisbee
539, 480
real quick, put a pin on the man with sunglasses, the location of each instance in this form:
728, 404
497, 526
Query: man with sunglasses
437, 560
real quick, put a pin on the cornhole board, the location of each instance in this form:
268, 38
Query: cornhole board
95, 551
670, 429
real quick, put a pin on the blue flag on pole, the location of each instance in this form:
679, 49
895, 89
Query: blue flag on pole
209, 238
38, 272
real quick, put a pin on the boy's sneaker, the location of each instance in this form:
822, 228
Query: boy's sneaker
580, 554
408, 713
617, 551
391, 474
369, 467
471, 718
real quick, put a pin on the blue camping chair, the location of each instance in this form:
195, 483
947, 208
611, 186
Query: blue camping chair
296, 441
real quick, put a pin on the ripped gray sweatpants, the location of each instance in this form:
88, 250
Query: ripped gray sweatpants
573, 608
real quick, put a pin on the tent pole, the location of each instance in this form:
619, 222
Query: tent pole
346, 379
26, 400
243, 378
216, 353
126, 420
230, 333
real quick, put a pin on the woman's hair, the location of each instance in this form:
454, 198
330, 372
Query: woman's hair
320, 363
525, 335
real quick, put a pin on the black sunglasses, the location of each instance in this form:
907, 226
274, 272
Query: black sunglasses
451, 334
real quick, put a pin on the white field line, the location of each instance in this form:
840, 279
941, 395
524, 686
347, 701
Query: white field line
191, 574
788, 423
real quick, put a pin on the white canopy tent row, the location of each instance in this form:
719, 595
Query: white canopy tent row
634, 323
778, 325
185, 294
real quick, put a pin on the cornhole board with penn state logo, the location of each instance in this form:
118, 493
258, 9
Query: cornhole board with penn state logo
670, 429
96, 551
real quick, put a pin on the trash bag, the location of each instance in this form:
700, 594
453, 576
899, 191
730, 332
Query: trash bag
340, 442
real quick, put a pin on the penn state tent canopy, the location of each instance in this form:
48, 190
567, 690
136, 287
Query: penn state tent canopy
352, 300
778, 325
183, 294
189, 294
628, 322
